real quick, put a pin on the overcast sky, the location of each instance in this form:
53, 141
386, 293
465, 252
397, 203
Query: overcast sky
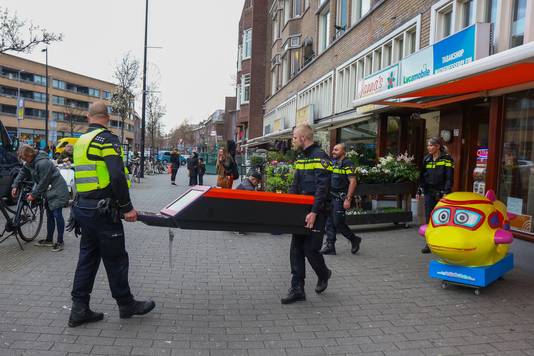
199, 38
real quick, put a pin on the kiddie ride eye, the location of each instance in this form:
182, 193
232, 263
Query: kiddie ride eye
471, 236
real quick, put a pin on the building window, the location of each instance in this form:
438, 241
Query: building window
247, 43
410, 41
297, 8
106, 95
444, 22
94, 92
58, 100
368, 64
39, 79
58, 116
387, 55
518, 22
287, 11
467, 13
324, 30
59, 84
377, 60
306, 4
398, 48
41, 97
274, 80
342, 17
245, 89
276, 27
295, 62
516, 181
362, 138
239, 57
359, 9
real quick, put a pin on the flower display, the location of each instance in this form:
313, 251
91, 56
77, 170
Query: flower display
389, 169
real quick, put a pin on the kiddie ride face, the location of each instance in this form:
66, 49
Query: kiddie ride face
205, 208
471, 236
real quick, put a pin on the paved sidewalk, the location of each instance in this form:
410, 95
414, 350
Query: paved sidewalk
222, 297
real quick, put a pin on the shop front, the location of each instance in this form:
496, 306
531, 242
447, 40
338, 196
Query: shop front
481, 106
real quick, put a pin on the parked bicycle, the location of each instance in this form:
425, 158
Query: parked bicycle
24, 222
136, 170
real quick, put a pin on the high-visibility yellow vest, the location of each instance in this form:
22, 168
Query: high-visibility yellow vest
90, 175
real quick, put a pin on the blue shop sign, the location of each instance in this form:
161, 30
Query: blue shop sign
455, 51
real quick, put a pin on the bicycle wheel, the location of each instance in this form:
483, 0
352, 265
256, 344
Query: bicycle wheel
30, 220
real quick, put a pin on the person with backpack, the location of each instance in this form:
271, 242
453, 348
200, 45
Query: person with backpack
226, 169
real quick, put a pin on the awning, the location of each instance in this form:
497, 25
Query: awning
510, 70
341, 121
257, 141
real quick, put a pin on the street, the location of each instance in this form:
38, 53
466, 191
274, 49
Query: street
222, 297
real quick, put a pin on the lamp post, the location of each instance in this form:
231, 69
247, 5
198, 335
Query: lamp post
143, 113
46, 108
18, 101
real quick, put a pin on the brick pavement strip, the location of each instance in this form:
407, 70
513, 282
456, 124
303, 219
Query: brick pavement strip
222, 298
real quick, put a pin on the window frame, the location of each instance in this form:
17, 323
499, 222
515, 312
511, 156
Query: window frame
247, 44
244, 86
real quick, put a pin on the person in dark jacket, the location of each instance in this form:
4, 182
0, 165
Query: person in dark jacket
201, 171
192, 166
312, 177
175, 164
49, 184
437, 177
67, 155
251, 182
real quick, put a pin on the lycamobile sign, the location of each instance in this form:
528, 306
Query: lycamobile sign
417, 66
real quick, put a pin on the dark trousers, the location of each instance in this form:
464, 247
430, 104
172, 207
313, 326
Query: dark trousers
336, 222
308, 246
431, 199
102, 239
173, 173
193, 177
53, 218
200, 179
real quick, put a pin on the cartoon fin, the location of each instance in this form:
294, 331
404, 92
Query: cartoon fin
422, 230
490, 195
503, 237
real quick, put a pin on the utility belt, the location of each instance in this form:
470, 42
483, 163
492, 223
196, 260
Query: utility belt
104, 207
338, 195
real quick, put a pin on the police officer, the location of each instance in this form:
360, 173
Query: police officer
437, 177
312, 177
102, 186
342, 189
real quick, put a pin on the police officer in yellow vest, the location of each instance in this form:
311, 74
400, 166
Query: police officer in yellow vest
102, 199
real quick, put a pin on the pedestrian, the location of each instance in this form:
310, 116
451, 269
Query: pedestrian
437, 177
175, 164
201, 171
192, 166
342, 188
312, 177
226, 169
67, 155
251, 182
103, 197
48, 184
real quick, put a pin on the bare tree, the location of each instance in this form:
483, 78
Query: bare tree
73, 113
181, 134
18, 35
122, 100
155, 111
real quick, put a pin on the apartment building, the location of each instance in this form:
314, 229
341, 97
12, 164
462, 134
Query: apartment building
251, 63
23, 101
381, 76
209, 134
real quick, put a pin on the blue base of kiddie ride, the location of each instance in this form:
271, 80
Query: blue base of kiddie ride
473, 277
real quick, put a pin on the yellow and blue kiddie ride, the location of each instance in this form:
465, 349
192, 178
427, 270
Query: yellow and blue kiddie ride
471, 236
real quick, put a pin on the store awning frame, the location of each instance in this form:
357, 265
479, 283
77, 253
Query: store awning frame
441, 84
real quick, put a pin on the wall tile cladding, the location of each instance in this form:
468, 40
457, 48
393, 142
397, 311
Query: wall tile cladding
386, 16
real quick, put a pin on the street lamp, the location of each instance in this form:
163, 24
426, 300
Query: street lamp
46, 109
18, 101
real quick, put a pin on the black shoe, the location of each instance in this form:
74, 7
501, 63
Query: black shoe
328, 249
81, 314
44, 243
173, 183
57, 247
295, 294
426, 250
355, 245
136, 308
323, 284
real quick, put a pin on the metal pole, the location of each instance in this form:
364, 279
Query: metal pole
18, 100
143, 123
46, 109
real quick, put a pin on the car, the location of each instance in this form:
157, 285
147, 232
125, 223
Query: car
164, 156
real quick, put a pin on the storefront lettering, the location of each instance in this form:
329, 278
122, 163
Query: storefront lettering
410, 78
452, 56
373, 87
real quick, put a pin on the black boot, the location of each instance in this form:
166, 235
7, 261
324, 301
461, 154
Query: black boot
295, 294
81, 314
426, 249
328, 249
355, 244
135, 308
323, 284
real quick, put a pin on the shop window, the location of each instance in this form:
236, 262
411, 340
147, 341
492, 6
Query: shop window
361, 137
393, 130
516, 181
518, 22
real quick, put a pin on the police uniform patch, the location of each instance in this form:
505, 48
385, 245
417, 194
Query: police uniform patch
117, 148
325, 163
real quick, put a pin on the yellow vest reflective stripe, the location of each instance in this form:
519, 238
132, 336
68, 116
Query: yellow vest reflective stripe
311, 164
90, 175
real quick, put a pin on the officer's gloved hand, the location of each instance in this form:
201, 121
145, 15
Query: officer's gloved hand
72, 225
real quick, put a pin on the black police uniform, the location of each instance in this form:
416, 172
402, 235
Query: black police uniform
312, 177
437, 177
102, 234
341, 171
